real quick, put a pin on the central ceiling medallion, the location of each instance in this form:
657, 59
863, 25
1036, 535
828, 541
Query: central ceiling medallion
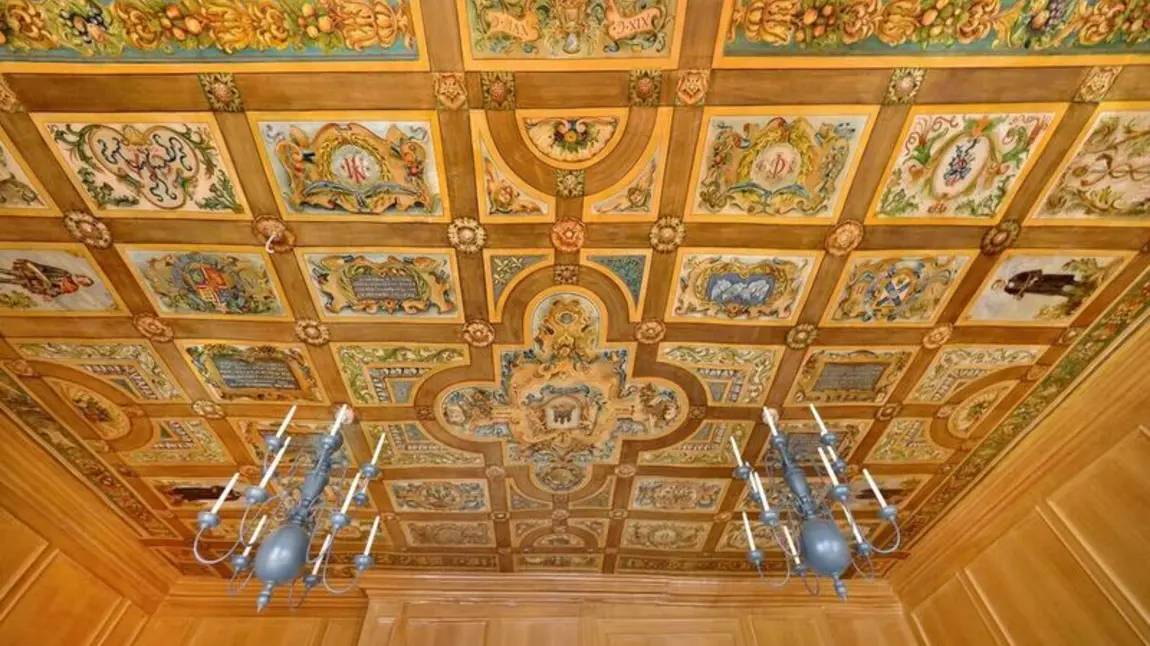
567, 400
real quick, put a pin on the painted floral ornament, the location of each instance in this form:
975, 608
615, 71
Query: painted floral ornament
466, 235
451, 90
801, 336
495, 472
999, 237
844, 238
152, 328
221, 91
88, 229
937, 337
904, 84
625, 470
478, 333
19, 368
888, 412
667, 234
565, 274
568, 235
207, 409
650, 331
312, 332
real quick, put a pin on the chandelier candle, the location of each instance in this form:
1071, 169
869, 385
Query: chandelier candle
735, 451
255, 535
852, 523
827, 466
757, 485
770, 420
322, 553
822, 427
338, 420
378, 448
874, 488
287, 420
791, 544
371, 536
350, 493
747, 529
275, 463
224, 495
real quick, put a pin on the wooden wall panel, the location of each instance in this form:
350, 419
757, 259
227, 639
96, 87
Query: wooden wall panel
952, 617
1049, 548
868, 629
670, 632
446, 632
539, 631
1040, 594
47, 598
621, 610
787, 631
1107, 508
60, 604
245, 631
22, 547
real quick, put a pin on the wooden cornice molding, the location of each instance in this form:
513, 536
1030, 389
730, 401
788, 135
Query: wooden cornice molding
1105, 407
195, 596
620, 588
53, 502
208, 597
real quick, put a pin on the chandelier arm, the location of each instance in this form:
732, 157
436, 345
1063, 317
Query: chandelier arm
897, 541
234, 589
354, 582
291, 595
807, 576
205, 561
780, 584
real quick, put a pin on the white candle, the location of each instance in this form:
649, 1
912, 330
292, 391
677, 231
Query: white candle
770, 421
350, 493
827, 466
851, 521
371, 536
822, 427
757, 485
735, 450
747, 529
338, 420
224, 495
791, 543
874, 488
831, 452
287, 420
275, 463
322, 551
378, 447
255, 534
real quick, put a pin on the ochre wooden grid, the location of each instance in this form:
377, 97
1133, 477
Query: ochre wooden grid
1067, 349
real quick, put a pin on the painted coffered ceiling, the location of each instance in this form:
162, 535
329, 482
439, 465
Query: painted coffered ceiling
558, 252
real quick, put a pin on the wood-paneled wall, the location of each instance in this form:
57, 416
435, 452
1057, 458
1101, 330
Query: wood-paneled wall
198, 612
1051, 548
516, 610
71, 573
47, 598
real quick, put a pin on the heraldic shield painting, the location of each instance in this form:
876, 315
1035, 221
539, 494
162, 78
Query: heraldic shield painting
558, 254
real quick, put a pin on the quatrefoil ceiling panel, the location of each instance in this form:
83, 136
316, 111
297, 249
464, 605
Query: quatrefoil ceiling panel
559, 254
